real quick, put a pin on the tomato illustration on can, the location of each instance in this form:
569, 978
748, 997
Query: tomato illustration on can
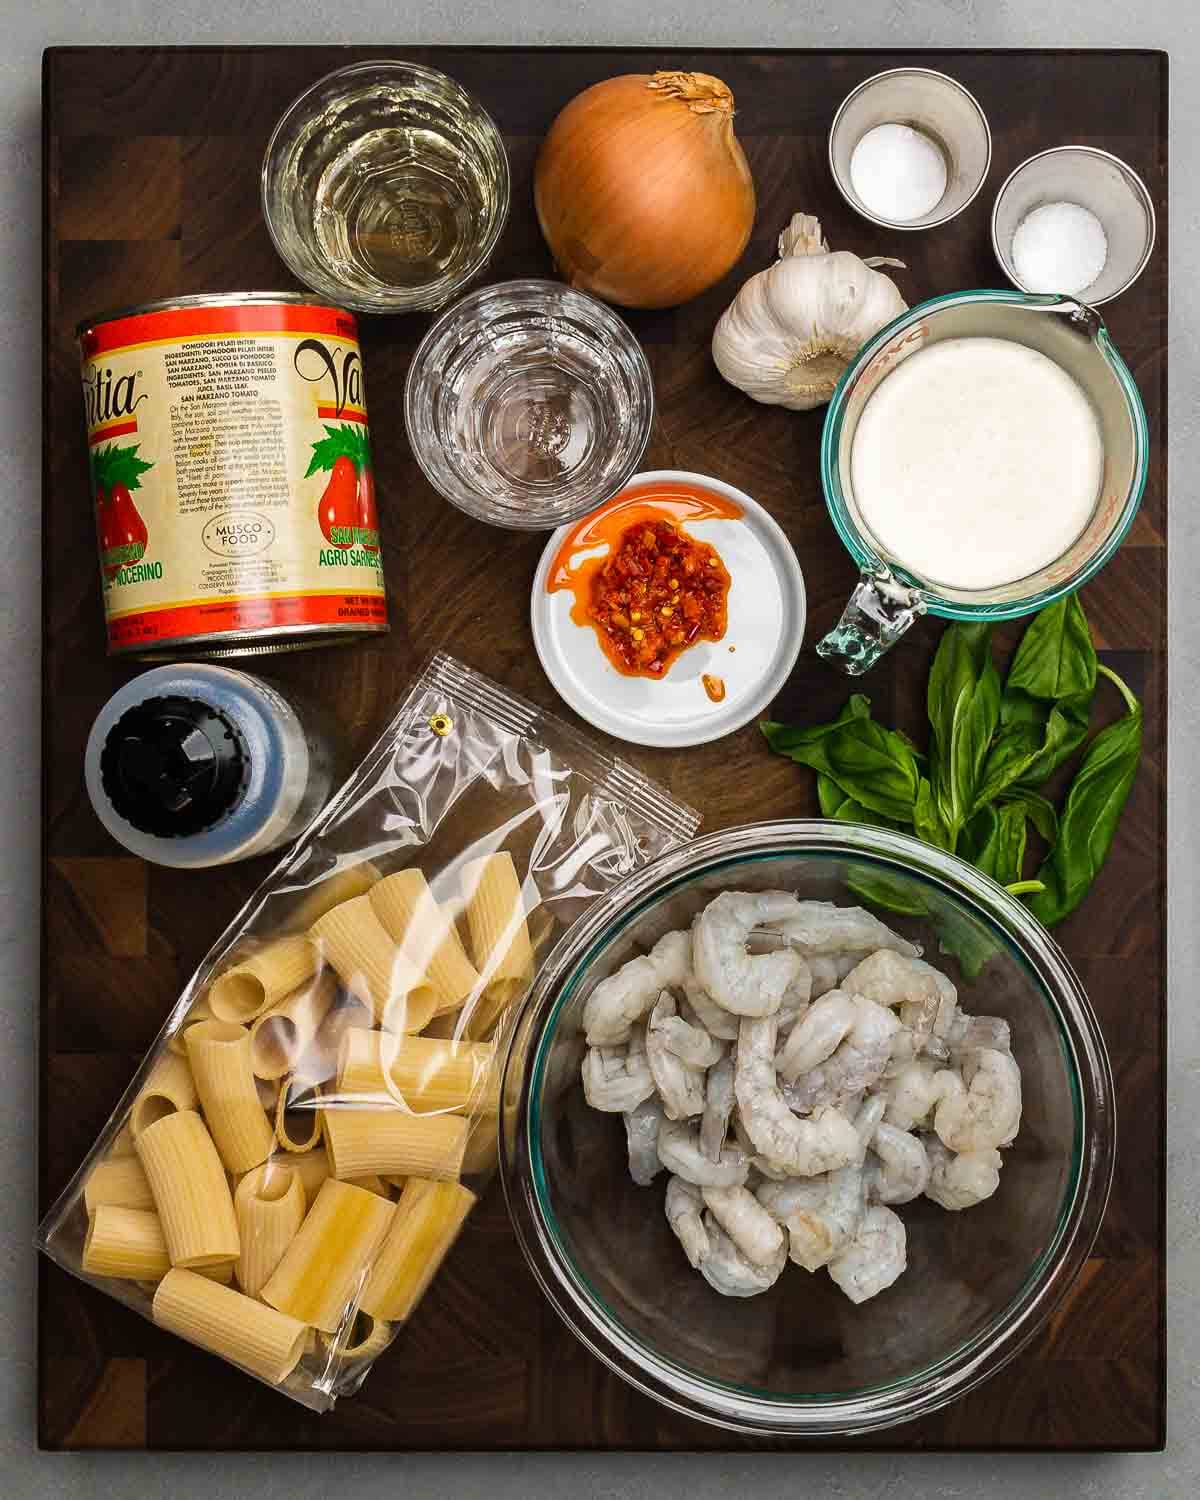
346, 510
121, 532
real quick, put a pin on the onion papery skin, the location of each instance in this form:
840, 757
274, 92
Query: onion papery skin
642, 190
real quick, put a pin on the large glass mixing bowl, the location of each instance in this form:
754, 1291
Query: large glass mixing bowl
801, 1360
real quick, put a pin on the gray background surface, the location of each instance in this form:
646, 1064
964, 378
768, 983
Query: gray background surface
1173, 25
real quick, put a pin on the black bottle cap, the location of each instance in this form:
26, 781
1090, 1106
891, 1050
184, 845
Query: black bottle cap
173, 766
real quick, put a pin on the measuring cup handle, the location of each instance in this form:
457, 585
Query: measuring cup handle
876, 617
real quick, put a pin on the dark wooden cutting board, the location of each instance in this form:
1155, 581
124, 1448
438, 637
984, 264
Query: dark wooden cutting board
151, 176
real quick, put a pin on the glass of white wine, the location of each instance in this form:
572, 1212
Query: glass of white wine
385, 187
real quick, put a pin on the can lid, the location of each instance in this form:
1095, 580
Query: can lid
174, 766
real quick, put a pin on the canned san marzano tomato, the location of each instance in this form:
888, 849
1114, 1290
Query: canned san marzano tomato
231, 475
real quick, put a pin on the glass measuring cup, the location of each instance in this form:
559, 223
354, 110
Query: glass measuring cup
891, 596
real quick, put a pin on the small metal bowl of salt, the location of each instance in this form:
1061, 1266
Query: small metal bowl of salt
1074, 220
909, 148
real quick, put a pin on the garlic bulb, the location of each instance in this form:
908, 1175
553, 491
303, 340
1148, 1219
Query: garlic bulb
791, 331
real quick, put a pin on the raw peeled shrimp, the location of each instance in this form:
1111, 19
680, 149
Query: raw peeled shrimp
744, 983
796, 1000
746, 1222
685, 1207
802, 1147
641, 1137
867, 1117
903, 1170
902, 983
819, 1231
772, 1171
679, 1151
826, 1023
874, 1258
729, 1272
715, 1019
617, 1079
621, 1000
958, 1182
823, 974
854, 1065
969, 1033
915, 1090
680, 1085
690, 1044
820, 927
785, 1196
718, 1106
987, 1112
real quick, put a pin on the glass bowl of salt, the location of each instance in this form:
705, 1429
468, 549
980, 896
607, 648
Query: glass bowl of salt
910, 148
1076, 221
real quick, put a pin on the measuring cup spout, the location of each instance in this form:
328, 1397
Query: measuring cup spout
879, 611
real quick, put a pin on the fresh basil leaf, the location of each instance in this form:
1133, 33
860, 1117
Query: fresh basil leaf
783, 738
1088, 824
1039, 812
1031, 743
927, 822
888, 894
963, 937
835, 804
963, 700
1056, 658
871, 764
1066, 730
996, 840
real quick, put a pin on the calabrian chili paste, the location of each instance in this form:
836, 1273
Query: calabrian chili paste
656, 590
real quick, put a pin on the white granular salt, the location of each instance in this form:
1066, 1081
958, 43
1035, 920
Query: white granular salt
898, 173
1060, 247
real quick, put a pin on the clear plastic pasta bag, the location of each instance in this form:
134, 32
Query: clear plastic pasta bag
296, 1155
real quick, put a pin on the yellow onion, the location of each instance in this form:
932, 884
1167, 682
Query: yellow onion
643, 193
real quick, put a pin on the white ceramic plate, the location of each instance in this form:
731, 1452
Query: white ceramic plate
766, 615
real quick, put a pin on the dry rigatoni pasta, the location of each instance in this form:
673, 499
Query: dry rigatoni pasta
379, 1186
270, 1205
426, 1224
126, 1243
191, 1191
366, 1337
169, 1087
219, 1053
280, 1037
353, 940
123, 1142
428, 1073
342, 885
120, 1181
322, 1269
306, 1131
318, 1062
391, 1142
258, 1337
310, 1167
268, 1091
200, 1010
499, 936
425, 930
264, 979
483, 1147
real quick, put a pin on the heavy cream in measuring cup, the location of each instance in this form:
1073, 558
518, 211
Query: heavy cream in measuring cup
977, 462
